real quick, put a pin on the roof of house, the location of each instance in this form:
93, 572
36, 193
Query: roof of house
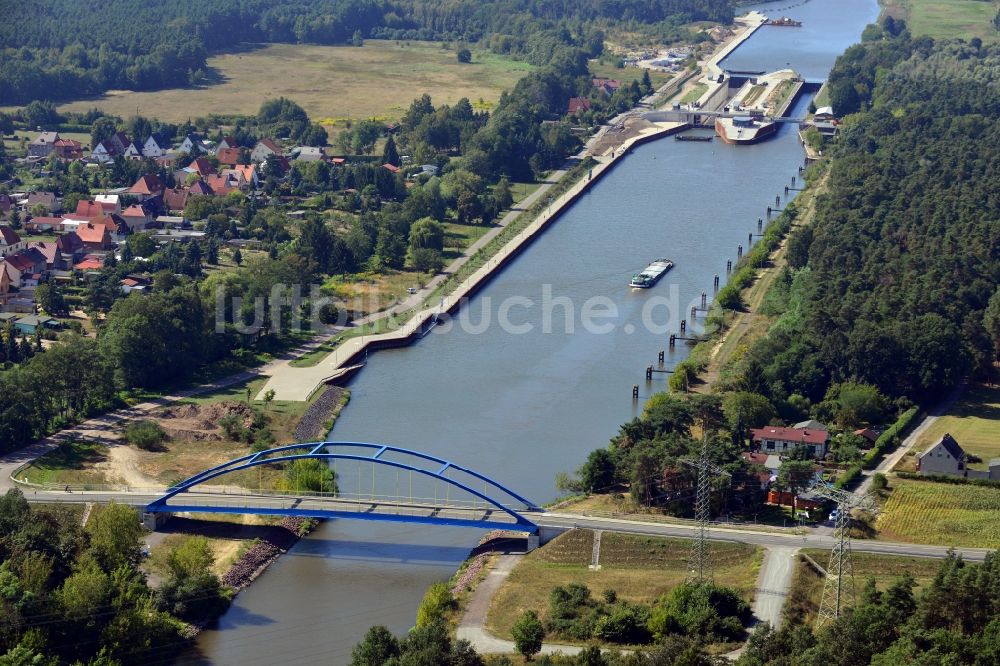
271, 145
26, 259
245, 170
45, 138
867, 433
200, 187
391, 167
228, 156
129, 282
802, 435
68, 143
578, 104
90, 263
201, 166
148, 184
8, 235
69, 242
134, 210
221, 184
613, 84
85, 208
812, 424
950, 445
107, 199
48, 249
93, 233
43, 220
824, 111
34, 320
309, 153
175, 199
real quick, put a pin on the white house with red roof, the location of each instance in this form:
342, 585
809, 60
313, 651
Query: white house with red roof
10, 242
264, 149
147, 187
137, 218
779, 440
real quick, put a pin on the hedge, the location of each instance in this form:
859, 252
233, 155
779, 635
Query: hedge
852, 474
890, 436
945, 478
729, 296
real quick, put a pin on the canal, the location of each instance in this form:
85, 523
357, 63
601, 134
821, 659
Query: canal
523, 406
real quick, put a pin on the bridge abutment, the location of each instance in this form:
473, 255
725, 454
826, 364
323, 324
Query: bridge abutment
154, 521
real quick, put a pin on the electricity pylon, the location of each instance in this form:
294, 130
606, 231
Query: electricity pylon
699, 562
835, 589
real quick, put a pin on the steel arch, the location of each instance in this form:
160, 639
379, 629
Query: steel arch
316, 450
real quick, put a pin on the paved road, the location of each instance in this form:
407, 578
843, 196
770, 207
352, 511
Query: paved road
773, 583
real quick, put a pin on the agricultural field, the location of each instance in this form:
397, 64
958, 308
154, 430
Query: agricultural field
639, 569
332, 83
974, 422
947, 19
807, 584
942, 514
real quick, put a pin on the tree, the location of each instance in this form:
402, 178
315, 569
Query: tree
464, 55
268, 398
50, 297
749, 409
192, 592
528, 634
357, 39
376, 648
102, 130
389, 154
991, 321
598, 473
647, 83
114, 536
796, 476
502, 194
237, 257
15, 219
146, 435
212, 255
436, 602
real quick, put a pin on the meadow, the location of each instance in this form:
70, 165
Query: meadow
942, 514
974, 422
332, 83
947, 19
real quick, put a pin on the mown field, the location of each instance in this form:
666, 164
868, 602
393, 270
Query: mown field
974, 422
332, 83
807, 584
941, 514
945, 19
639, 569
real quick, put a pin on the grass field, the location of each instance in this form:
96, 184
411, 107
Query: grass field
941, 514
944, 19
694, 93
70, 463
974, 422
807, 584
639, 569
331, 83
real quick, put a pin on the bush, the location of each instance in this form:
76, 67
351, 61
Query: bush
528, 634
890, 437
436, 602
852, 474
879, 481
704, 610
146, 435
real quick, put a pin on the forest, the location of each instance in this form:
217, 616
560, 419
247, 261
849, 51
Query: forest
60, 49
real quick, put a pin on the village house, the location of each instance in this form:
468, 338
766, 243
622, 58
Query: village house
247, 174
119, 143
43, 144
200, 189
94, 236
776, 439
103, 153
129, 285
152, 148
43, 224
47, 200
24, 264
31, 323
192, 144
606, 86
10, 242
68, 149
91, 263
264, 149
175, 198
866, 434
137, 218
948, 458
308, 154
110, 203
147, 187
226, 143
221, 185
577, 105
50, 251
88, 210
229, 157
133, 151
70, 249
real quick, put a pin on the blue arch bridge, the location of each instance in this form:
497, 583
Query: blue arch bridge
401, 486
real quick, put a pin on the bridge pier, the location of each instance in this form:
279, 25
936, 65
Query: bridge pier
154, 521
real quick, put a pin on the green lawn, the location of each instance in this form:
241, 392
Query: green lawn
70, 463
694, 93
974, 422
945, 19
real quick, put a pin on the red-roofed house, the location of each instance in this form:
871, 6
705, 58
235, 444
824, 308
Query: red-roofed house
43, 224
201, 166
175, 199
21, 265
248, 174
10, 242
608, 86
68, 149
136, 218
390, 167
88, 210
578, 104
200, 189
227, 142
866, 433
90, 263
228, 156
94, 236
147, 187
775, 439
222, 185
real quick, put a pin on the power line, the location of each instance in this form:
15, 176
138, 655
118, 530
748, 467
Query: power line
699, 561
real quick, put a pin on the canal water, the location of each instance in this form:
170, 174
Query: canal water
523, 406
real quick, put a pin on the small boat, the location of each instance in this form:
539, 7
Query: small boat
692, 137
648, 277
